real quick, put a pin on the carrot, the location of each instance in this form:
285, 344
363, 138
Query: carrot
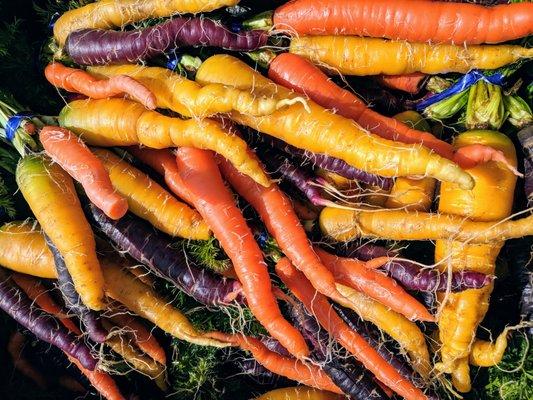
22, 249
318, 305
299, 393
470, 156
307, 374
189, 98
354, 273
216, 204
322, 132
409, 83
15, 346
275, 209
491, 200
486, 354
69, 151
52, 197
150, 201
351, 55
119, 122
413, 20
79, 81
108, 14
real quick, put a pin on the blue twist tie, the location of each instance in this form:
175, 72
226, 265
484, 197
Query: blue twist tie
173, 62
236, 27
55, 16
462, 84
13, 123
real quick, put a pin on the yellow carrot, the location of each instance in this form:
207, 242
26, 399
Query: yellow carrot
148, 200
490, 200
52, 197
119, 122
313, 128
299, 393
487, 354
352, 55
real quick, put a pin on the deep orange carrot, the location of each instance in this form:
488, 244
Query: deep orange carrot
14, 348
204, 187
409, 83
319, 306
79, 81
354, 273
101, 381
69, 151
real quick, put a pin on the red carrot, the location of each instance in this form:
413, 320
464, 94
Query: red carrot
409, 83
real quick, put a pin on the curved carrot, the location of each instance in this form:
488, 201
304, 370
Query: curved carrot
15, 346
299, 393
101, 381
319, 306
201, 179
412, 20
79, 81
354, 273
72, 154
475, 154
409, 83
308, 374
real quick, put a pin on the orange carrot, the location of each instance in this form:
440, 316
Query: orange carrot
14, 348
79, 81
307, 374
409, 83
101, 381
69, 151
356, 274
412, 20
475, 154
204, 187
319, 306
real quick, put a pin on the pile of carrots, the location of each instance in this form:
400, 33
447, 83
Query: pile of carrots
288, 171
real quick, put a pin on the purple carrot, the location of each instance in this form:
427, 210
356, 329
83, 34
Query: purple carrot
414, 277
44, 326
99, 46
89, 319
525, 136
154, 249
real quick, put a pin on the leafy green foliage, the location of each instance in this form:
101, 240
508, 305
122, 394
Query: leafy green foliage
208, 253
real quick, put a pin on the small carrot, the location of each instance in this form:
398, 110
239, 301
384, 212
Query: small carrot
15, 346
69, 151
318, 305
409, 83
150, 201
79, 81
471, 155
487, 353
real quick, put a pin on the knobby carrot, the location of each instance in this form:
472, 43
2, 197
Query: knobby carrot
318, 306
150, 201
409, 83
69, 151
15, 345
52, 197
412, 20
320, 131
78, 81
216, 204
119, 122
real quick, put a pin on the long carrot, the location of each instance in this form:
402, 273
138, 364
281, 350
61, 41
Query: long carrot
119, 122
318, 305
150, 201
320, 131
15, 345
354, 273
52, 197
413, 20
73, 156
409, 83
78, 81
216, 204
299, 393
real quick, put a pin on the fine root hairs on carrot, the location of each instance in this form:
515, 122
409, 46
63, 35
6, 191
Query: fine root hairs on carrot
120, 122
52, 197
319, 306
69, 151
79, 81
15, 346
299, 393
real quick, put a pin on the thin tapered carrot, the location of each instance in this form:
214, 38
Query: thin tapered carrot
79, 81
73, 156
412, 20
474, 154
307, 374
15, 346
354, 273
409, 83
319, 306
203, 183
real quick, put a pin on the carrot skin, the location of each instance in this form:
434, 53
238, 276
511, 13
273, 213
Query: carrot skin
409, 83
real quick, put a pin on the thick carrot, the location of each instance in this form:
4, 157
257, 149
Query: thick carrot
299, 393
351, 55
409, 83
22, 249
15, 345
413, 20
307, 374
320, 131
319, 306
101, 381
69, 151
52, 197
79, 81
119, 122
354, 273
150, 201
486, 354
216, 204
108, 14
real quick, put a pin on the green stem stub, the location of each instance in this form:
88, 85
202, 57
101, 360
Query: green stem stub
263, 58
485, 108
519, 112
20, 137
448, 107
263, 21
